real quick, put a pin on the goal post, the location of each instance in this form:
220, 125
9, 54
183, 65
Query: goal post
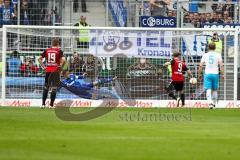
135, 55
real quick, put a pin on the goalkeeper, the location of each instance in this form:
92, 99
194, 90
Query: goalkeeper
84, 89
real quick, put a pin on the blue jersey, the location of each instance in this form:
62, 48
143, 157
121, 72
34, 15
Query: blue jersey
6, 15
13, 65
81, 87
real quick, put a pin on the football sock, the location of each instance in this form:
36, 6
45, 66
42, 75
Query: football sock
44, 97
209, 95
215, 97
172, 95
183, 99
53, 96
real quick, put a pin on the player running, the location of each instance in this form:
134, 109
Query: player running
54, 61
80, 86
178, 69
212, 60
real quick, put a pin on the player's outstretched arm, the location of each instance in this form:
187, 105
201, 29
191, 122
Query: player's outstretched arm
81, 76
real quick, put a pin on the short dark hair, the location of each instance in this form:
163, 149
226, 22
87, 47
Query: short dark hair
55, 42
176, 54
211, 46
15, 53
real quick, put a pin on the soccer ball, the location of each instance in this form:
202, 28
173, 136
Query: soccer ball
193, 81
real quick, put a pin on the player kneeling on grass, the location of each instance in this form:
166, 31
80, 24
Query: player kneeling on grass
212, 60
81, 87
178, 69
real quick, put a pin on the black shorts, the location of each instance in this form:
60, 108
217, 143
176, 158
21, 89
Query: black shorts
52, 79
178, 85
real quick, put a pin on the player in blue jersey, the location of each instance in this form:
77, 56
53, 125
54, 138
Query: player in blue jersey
81, 87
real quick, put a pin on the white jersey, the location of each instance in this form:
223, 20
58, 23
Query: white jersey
212, 60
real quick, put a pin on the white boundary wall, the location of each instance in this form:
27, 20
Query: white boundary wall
113, 103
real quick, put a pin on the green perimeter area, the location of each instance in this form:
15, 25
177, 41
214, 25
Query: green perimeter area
123, 134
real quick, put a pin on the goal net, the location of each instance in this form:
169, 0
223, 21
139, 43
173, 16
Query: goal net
134, 55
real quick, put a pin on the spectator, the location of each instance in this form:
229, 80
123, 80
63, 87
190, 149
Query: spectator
202, 18
83, 5
196, 16
76, 65
7, 15
25, 14
170, 13
208, 18
217, 7
174, 12
229, 7
75, 6
196, 23
225, 16
186, 18
53, 17
191, 17
13, 64
159, 7
219, 18
214, 18
218, 42
228, 20
29, 68
83, 40
146, 9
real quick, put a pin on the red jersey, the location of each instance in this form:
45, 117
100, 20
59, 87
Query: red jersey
178, 67
53, 57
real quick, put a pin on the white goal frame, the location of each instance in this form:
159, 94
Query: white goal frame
6, 27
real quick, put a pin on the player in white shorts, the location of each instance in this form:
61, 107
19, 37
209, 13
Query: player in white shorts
212, 61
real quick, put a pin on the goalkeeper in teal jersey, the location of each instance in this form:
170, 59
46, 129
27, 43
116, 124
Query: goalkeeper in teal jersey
85, 89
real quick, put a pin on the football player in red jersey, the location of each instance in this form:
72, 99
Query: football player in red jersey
54, 61
178, 69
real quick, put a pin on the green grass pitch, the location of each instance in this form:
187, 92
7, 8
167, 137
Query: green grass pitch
123, 134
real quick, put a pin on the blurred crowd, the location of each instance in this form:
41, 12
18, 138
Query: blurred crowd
222, 13
214, 12
20, 65
32, 12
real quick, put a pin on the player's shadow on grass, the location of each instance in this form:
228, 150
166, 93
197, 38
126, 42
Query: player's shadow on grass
63, 112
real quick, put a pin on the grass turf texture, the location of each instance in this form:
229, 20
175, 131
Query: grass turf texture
37, 134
